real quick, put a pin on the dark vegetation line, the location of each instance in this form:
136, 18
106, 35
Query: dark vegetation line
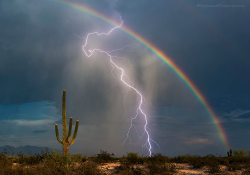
56, 163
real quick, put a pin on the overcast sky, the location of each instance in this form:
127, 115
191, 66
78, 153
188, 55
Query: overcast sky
41, 55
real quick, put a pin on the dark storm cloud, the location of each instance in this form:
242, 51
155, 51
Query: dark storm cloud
35, 37
39, 131
22, 65
209, 44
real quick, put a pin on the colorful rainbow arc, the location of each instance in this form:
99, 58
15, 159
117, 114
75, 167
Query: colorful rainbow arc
164, 58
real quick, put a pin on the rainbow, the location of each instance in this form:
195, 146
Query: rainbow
197, 93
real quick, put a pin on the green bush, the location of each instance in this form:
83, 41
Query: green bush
235, 166
223, 161
159, 164
240, 153
197, 162
134, 158
158, 159
214, 167
161, 169
126, 169
182, 159
127, 164
104, 157
89, 168
78, 158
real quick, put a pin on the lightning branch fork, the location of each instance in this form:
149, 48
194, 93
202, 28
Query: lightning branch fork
128, 83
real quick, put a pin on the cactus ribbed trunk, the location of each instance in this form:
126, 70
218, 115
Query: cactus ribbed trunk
66, 139
65, 145
65, 149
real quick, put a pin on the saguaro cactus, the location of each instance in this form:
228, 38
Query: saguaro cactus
66, 139
230, 153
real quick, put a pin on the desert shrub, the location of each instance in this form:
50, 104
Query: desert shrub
31, 160
57, 156
134, 158
235, 166
128, 164
214, 166
78, 158
239, 159
59, 159
5, 163
21, 171
161, 169
54, 156
238, 162
132, 170
21, 158
104, 157
50, 166
26, 159
158, 159
197, 162
182, 159
240, 153
223, 161
246, 169
159, 164
3, 156
124, 166
89, 168
246, 165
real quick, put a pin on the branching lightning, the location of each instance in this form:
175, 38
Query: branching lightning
127, 83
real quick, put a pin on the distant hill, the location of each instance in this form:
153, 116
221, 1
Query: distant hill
26, 149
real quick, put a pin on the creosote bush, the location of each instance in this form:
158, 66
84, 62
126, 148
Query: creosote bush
197, 162
235, 166
159, 164
129, 169
129, 164
214, 166
182, 159
104, 157
134, 158
89, 168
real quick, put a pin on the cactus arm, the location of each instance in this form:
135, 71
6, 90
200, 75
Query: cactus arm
64, 116
57, 134
70, 128
75, 133
66, 138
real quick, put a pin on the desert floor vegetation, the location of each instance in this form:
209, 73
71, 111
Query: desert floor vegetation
132, 163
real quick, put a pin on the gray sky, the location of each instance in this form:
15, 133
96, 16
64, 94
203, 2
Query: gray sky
41, 55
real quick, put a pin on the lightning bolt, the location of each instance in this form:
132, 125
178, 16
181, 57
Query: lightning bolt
127, 83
